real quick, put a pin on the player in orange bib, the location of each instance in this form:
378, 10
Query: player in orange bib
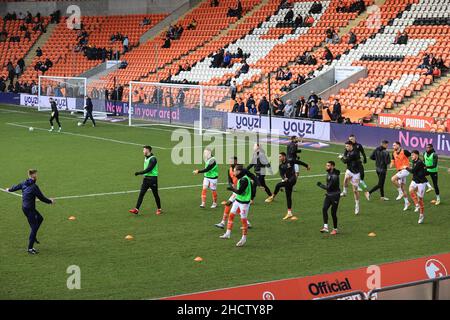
400, 160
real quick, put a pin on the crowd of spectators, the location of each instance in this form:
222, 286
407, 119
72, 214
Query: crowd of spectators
351, 6
236, 11
432, 65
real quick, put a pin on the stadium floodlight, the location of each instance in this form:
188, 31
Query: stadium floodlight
68, 92
178, 105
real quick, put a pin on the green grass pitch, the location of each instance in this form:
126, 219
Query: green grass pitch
159, 261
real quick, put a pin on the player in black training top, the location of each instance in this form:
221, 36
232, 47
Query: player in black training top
362, 153
89, 109
261, 165
418, 184
288, 181
331, 197
54, 115
352, 159
292, 153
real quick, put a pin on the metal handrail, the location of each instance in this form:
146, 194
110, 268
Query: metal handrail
344, 295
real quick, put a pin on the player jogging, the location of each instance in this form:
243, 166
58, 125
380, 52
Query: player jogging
288, 181
431, 162
150, 181
331, 197
292, 153
400, 161
418, 183
357, 146
382, 159
54, 115
352, 159
31, 191
260, 163
243, 193
211, 174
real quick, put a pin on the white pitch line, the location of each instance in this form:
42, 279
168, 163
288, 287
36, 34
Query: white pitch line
88, 136
11, 193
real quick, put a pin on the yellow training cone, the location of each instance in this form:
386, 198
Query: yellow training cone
71, 218
129, 237
198, 259
372, 234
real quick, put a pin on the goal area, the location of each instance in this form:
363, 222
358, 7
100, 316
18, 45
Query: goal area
69, 93
179, 105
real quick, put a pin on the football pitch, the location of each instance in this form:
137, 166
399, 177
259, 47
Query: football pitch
90, 172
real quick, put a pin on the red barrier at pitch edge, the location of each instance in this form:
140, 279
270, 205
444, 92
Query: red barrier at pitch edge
319, 286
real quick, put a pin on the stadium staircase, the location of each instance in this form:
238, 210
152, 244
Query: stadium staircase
39, 43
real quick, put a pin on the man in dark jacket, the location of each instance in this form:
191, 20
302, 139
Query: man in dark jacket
89, 109
382, 159
332, 197
260, 163
263, 106
31, 191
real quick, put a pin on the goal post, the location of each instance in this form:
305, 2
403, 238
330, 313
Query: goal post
179, 105
69, 93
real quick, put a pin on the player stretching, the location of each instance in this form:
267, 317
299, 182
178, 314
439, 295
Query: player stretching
431, 162
400, 161
352, 159
150, 174
31, 191
260, 163
288, 181
331, 197
357, 146
243, 193
54, 115
418, 183
211, 174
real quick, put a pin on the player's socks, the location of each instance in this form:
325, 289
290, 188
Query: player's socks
421, 206
204, 196
214, 195
230, 222
226, 212
356, 206
244, 226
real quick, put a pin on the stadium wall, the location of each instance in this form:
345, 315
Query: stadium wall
308, 129
95, 7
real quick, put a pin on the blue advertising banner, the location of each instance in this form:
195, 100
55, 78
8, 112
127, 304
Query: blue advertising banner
372, 136
10, 98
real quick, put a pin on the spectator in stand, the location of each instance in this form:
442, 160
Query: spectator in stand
313, 97
48, 63
217, 59
316, 8
214, 3
226, 60
29, 17
280, 74
125, 44
55, 16
320, 106
243, 70
299, 107
192, 25
235, 12
11, 87
329, 36
123, 64
289, 16
11, 71
27, 35
335, 38
309, 21
263, 106
298, 22
241, 105
21, 64
327, 55
233, 90
441, 64
145, 22
313, 112
166, 43
2, 84
39, 52
180, 98
287, 75
251, 105
289, 109
351, 38
278, 106
336, 115
239, 54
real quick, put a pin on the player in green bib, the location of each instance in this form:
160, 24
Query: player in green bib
430, 158
211, 175
241, 205
150, 181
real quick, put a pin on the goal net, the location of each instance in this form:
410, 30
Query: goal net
191, 106
69, 93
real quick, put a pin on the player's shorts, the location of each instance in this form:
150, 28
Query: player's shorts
232, 197
296, 168
243, 209
421, 187
401, 176
210, 184
355, 177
